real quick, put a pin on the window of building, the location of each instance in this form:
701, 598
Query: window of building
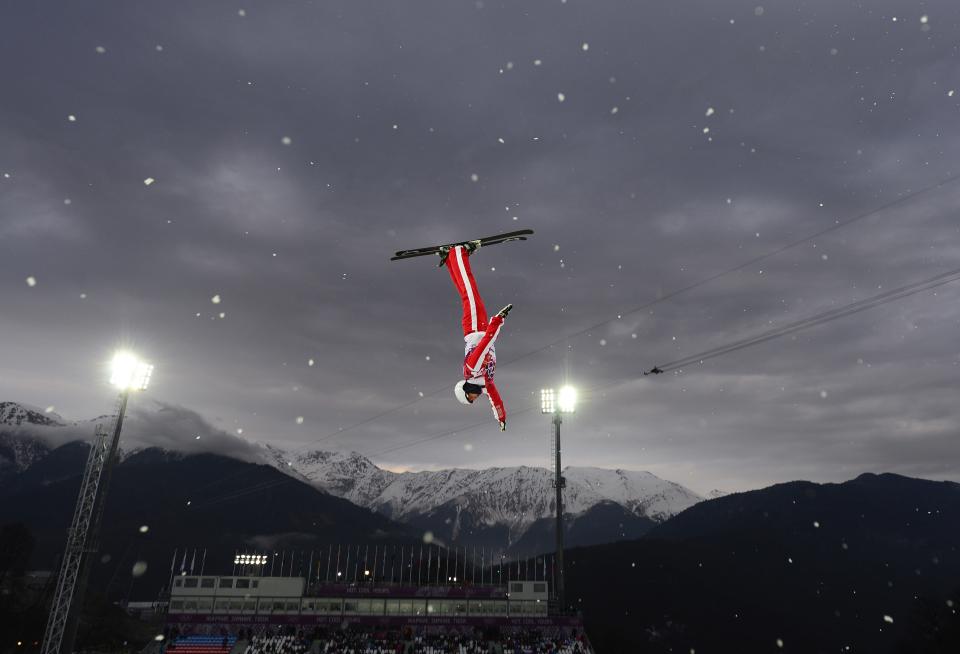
278, 606
539, 588
190, 582
205, 605
190, 605
226, 582
516, 587
176, 605
249, 606
178, 582
207, 582
349, 607
293, 606
393, 607
255, 584
243, 583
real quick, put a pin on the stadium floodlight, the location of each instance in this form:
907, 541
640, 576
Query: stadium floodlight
128, 373
548, 402
567, 399
555, 404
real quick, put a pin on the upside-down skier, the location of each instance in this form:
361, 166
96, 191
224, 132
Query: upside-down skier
479, 332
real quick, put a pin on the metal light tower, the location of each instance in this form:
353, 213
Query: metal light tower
556, 404
128, 374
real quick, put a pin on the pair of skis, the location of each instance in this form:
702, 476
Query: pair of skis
520, 235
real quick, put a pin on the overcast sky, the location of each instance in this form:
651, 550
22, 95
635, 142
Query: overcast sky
293, 146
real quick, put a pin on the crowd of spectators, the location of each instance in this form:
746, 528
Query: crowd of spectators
355, 641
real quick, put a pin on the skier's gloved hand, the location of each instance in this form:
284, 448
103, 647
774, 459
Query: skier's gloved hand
503, 425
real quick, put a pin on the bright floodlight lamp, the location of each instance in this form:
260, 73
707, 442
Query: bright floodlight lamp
567, 399
128, 373
548, 400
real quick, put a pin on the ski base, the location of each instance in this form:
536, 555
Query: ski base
519, 235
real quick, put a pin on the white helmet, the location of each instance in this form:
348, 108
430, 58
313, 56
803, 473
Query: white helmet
460, 393
464, 387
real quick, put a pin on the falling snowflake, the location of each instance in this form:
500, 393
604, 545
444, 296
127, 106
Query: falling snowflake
474, 177
614, 110
241, 12
561, 97
310, 362
100, 49
286, 140
215, 299
585, 47
31, 281
710, 111
428, 537
72, 118
468, 447
537, 62
144, 529
299, 420
823, 394
758, 11
139, 568
148, 181
888, 619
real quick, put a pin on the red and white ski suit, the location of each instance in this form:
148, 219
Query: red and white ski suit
479, 332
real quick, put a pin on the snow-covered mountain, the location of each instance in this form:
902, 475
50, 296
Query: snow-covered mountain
500, 507
20, 447
508, 500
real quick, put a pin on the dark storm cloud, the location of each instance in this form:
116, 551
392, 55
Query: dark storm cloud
817, 113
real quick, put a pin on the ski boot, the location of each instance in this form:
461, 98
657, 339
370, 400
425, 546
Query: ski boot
444, 251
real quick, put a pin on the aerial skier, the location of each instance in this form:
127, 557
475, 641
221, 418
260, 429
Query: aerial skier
479, 332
